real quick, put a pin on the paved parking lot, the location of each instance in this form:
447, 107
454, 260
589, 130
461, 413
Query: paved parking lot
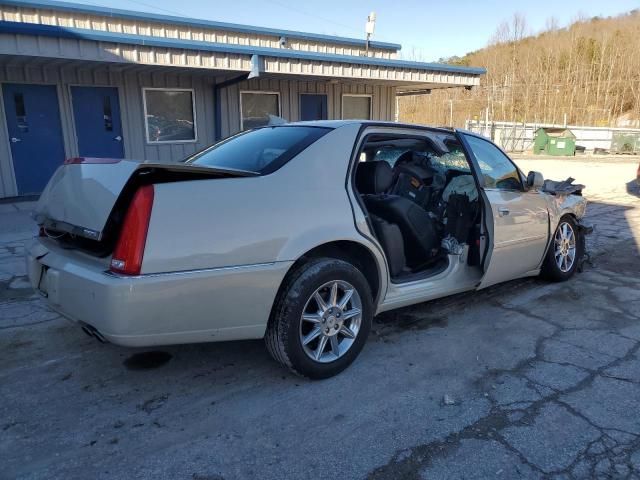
523, 380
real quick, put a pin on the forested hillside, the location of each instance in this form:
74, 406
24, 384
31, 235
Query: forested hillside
589, 71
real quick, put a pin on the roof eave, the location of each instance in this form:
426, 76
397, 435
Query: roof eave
85, 34
194, 22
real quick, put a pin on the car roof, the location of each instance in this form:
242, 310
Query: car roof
378, 123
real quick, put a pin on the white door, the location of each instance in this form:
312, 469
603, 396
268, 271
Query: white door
520, 219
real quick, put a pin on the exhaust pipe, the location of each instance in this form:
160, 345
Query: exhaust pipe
93, 332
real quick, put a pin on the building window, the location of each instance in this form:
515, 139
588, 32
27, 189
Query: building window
258, 109
169, 115
356, 107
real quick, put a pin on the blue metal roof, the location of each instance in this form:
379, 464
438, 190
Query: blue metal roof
192, 22
100, 36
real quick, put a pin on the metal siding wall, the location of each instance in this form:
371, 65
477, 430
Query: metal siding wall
49, 16
382, 102
130, 83
134, 127
130, 86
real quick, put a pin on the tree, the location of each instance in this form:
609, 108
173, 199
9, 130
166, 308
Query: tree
587, 70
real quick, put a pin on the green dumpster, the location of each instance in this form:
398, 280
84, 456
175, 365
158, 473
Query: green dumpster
554, 141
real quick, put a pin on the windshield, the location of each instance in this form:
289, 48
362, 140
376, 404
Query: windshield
262, 151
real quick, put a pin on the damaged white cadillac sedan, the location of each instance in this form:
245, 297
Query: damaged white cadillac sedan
298, 233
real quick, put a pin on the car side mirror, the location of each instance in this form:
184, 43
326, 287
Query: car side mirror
535, 180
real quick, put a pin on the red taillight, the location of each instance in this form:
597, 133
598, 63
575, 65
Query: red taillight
76, 160
127, 256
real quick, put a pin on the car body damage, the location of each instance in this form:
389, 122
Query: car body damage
295, 233
566, 199
565, 187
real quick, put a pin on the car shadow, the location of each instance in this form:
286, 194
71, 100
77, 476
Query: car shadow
633, 187
612, 231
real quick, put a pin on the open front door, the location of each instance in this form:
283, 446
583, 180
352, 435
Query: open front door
519, 237
517, 220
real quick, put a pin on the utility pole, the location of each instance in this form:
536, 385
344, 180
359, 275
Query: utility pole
451, 112
486, 123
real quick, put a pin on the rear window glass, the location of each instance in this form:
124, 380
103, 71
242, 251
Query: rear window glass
262, 151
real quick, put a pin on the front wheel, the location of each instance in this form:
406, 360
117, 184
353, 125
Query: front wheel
321, 318
565, 252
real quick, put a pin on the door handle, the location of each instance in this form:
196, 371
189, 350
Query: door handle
118, 138
502, 211
15, 140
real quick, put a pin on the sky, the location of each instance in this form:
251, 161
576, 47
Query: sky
428, 30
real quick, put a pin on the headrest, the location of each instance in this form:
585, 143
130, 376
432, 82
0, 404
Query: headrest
374, 177
461, 185
406, 157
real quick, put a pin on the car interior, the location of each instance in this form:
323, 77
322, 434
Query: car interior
421, 201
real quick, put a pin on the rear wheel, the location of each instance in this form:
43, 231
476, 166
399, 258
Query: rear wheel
565, 252
321, 318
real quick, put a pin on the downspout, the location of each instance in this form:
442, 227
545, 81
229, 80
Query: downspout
257, 67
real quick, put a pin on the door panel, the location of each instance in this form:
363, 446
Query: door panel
519, 219
313, 107
520, 233
35, 133
96, 111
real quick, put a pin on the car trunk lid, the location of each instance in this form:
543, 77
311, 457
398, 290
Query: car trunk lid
81, 195
86, 198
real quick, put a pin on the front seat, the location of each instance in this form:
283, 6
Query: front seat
412, 179
420, 238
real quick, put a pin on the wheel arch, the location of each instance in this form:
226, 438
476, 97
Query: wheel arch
350, 251
554, 221
545, 270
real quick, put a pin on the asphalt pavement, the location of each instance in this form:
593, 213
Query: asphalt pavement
523, 380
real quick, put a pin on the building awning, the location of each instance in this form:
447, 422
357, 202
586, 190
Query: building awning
103, 46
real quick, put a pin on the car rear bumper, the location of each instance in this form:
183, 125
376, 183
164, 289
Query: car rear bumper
230, 303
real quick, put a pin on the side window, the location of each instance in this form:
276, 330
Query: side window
496, 168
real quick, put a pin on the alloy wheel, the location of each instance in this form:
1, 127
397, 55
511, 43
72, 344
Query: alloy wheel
565, 247
330, 321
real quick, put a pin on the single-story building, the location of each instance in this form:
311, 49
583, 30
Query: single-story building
80, 80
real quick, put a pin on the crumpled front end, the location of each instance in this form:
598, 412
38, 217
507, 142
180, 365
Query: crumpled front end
566, 199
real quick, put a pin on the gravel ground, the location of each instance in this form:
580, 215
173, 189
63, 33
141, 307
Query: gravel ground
523, 380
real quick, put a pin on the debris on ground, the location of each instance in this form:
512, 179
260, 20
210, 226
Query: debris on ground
448, 400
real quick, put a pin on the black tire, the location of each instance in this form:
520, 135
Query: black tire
550, 269
283, 331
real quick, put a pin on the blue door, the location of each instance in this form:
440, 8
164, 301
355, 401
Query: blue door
313, 107
96, 112
35, 134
